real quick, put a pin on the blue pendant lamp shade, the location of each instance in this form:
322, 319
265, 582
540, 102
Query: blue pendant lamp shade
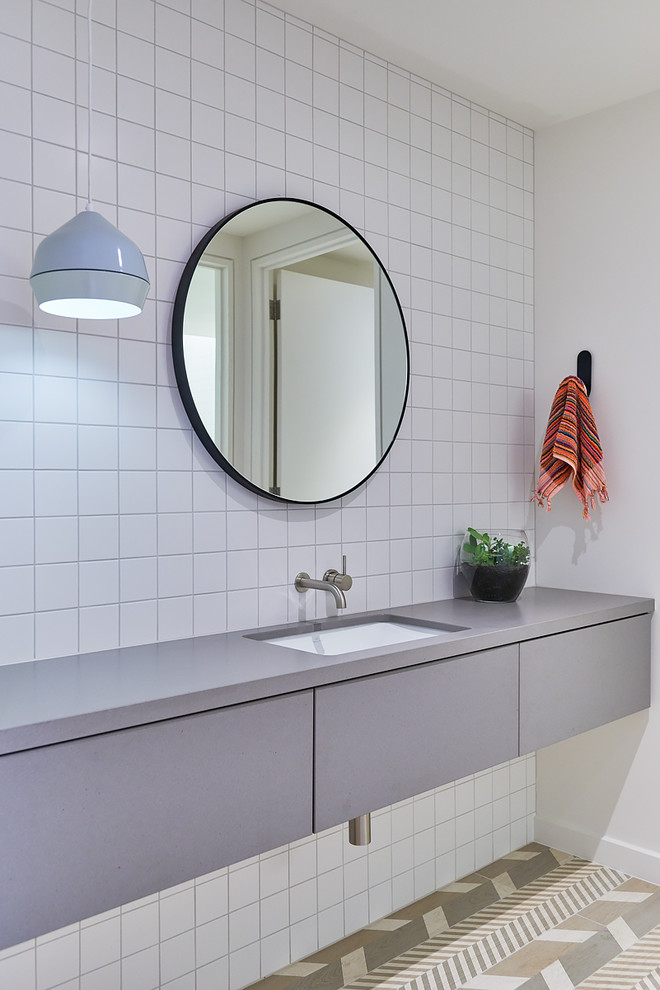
87, 269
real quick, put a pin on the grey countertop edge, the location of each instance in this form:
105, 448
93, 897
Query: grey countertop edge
49, 701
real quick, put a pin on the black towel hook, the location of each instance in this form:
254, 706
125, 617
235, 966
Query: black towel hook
584, 369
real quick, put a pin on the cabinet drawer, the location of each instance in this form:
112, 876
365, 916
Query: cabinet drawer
94, 823
384, 738
578, 680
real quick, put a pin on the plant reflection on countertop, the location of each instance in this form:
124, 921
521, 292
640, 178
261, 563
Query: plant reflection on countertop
495, 567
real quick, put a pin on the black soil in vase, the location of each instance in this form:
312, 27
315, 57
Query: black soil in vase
495, 583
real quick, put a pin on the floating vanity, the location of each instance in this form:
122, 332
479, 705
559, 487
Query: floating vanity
131, 770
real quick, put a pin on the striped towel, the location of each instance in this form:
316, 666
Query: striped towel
572, 447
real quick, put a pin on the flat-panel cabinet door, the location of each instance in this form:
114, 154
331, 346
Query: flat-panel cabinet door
578, 680
384, 738
94, 823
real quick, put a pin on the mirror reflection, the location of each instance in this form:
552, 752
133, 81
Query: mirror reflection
290, 351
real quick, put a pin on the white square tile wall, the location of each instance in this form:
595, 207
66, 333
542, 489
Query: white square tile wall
117, 527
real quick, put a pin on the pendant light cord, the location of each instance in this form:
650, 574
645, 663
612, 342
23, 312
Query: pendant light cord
89, 106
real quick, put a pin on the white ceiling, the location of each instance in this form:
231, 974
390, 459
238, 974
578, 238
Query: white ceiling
535, 61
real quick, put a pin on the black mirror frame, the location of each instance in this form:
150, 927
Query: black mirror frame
182, 377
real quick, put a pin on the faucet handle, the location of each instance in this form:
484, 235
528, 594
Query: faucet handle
342, 580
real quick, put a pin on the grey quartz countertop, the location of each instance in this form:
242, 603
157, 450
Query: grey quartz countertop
49, 701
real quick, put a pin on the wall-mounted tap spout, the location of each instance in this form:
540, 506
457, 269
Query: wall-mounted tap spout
333, 581
304, 582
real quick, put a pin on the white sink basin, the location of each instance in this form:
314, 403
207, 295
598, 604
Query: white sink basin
360, 636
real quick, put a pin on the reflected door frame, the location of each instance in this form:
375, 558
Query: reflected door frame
263, 279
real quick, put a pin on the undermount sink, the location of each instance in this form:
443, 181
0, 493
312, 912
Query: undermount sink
332, 640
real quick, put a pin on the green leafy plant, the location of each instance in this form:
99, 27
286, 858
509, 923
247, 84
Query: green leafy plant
482, 550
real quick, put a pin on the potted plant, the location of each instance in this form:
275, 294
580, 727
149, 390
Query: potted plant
495, 567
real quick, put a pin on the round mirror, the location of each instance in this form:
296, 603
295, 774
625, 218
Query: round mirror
290, 351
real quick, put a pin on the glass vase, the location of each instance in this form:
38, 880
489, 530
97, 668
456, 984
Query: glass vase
495, 564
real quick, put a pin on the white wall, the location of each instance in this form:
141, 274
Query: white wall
597, 287
116, 527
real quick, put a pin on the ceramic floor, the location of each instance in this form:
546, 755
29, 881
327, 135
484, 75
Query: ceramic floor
537, 919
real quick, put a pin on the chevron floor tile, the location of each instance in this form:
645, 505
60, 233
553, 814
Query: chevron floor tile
537, 919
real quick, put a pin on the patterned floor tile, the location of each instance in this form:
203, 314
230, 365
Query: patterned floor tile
627, 968
485, 982
585, 959
633, 899
536, 919
650, 982
486, 938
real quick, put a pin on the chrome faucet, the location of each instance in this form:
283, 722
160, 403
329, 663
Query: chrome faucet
333, 581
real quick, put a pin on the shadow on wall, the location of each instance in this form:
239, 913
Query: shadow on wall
581, 804
571, 534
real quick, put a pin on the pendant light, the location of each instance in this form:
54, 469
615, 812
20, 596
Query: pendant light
87, 269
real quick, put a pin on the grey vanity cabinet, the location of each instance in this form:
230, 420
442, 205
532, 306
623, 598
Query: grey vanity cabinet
93, 823
578, 680
384, 738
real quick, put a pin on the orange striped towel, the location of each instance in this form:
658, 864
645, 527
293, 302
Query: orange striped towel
572, 447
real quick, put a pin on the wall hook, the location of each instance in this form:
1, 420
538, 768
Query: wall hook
584, 369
